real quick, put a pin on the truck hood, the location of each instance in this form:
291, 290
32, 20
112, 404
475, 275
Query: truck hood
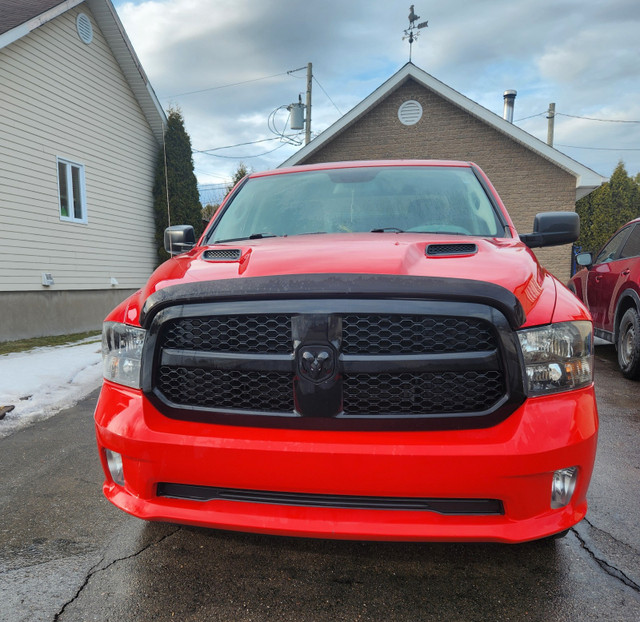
504, 262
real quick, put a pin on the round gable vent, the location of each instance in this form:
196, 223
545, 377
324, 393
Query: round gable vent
410, 112
84, 28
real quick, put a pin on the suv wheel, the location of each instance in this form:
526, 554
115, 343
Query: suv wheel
629, 344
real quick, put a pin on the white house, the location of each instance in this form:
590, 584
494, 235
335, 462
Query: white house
80, 133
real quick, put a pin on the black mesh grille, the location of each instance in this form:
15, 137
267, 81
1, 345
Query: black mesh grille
213, 388
363, 334
226, 254
244, 333
451, 249
427, 393
413, 334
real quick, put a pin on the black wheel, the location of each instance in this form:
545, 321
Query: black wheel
629, 344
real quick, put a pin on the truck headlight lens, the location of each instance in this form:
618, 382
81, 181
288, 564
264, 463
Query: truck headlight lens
557, 357
122, 353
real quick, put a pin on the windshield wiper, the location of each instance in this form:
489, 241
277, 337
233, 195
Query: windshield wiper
253, 236
387, 229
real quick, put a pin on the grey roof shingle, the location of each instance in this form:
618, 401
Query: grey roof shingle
16, 12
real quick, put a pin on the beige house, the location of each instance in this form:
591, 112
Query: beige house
80, 131
413, 115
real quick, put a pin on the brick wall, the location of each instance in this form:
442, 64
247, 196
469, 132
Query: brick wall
526, 182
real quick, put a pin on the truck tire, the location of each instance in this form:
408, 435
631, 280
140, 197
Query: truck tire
628, 344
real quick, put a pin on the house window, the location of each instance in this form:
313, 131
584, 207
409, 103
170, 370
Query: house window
71, 191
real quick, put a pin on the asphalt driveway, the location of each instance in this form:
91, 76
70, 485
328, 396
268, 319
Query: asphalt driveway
66, 554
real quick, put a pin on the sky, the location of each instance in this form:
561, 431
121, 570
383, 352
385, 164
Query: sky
232, 67
42, 382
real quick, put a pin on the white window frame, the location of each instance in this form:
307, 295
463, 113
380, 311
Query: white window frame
69, 165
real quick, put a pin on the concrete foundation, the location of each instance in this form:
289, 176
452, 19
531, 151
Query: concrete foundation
38, 314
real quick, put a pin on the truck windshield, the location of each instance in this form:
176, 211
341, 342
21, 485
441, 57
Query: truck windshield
430, 199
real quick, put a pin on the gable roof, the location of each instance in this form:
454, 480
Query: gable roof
17, 12
20, 17
586, 179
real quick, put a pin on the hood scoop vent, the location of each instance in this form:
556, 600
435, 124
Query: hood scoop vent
450, 250
222, 254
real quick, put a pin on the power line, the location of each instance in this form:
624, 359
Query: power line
223, 177
531, 117
597, 148
271, 123
244, 157
574, 116
327, 94
253, 142
292, 71
226, 86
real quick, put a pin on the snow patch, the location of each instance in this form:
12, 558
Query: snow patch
44, 381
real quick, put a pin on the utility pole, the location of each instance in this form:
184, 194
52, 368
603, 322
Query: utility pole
307, 131
299, 120
551, 116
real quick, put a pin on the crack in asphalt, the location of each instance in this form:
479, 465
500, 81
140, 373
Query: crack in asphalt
95, 569
610, 535
609, 569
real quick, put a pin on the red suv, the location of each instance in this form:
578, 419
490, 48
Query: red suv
610, 287
362, 350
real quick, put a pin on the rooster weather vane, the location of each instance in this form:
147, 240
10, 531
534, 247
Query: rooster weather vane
413, 31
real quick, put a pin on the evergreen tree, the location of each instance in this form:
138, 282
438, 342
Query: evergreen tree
210, 209
184, 199
607, 208
241, 172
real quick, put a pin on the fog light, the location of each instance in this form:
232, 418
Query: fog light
562, 486
114, 462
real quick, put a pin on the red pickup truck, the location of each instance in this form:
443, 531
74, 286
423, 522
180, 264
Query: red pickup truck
361, 350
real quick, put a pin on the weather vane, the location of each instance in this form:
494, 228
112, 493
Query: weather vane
413, 31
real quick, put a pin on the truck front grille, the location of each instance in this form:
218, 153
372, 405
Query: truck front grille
226, 363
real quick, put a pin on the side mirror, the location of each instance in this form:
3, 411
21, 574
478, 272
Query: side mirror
584, 259
179, 238
553, 229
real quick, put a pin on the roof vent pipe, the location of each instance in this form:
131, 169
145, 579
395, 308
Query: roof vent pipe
509, 101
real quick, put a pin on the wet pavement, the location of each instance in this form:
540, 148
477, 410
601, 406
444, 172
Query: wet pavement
67, 555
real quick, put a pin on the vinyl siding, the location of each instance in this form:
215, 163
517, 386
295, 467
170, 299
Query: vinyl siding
63, 98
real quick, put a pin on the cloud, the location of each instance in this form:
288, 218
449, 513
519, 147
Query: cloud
596, 59
582, 56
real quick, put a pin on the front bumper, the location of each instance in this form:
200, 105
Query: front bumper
512, 462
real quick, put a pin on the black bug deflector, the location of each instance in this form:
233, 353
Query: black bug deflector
313, 286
